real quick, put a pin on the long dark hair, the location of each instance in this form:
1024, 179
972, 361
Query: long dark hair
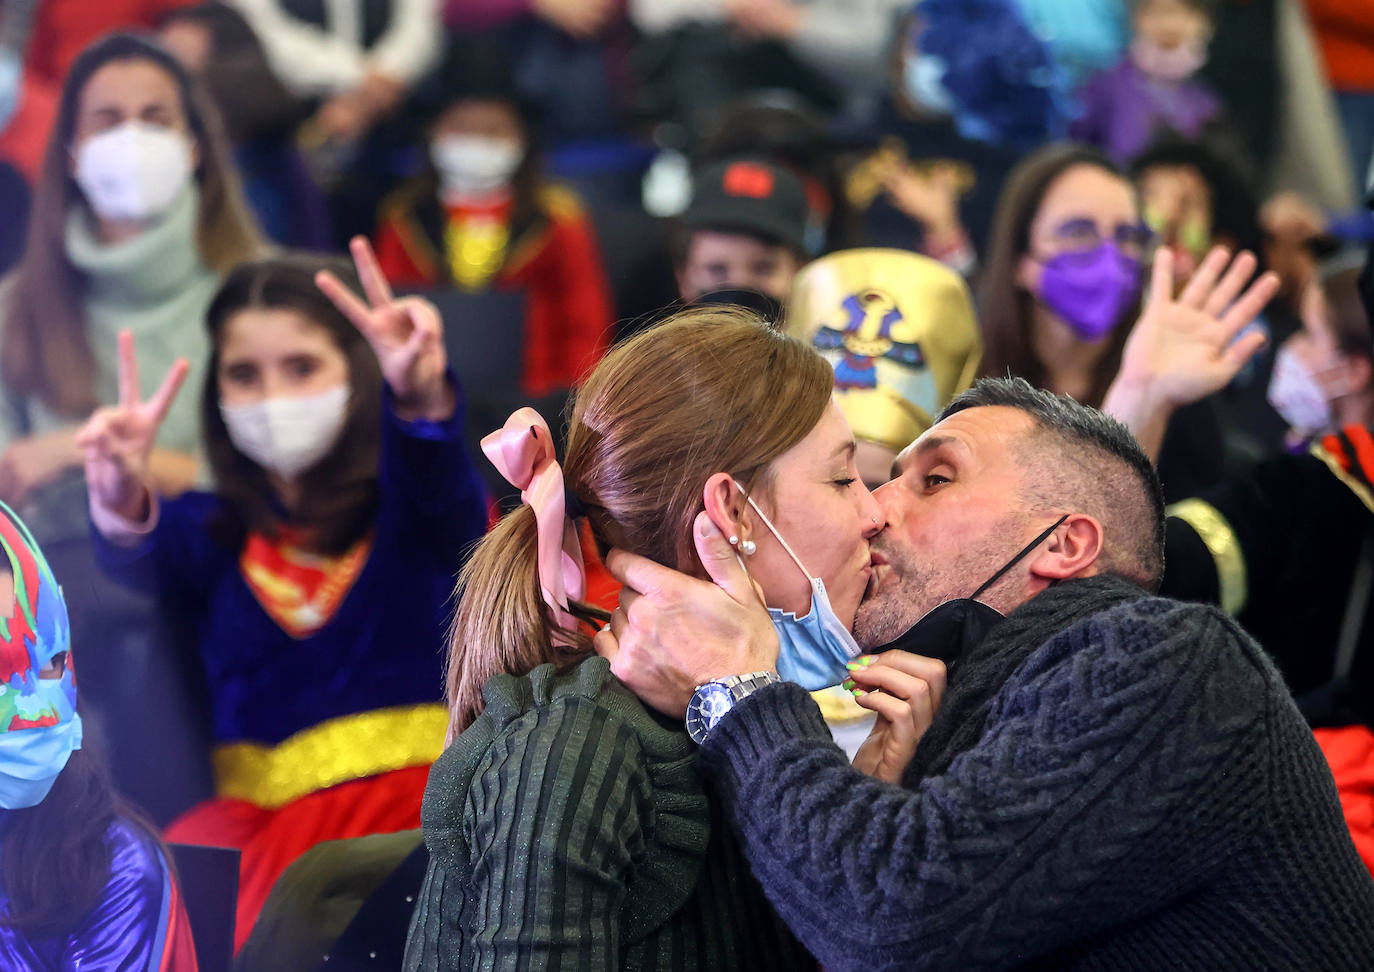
338, 501
1004, 306
55, 857
45, 351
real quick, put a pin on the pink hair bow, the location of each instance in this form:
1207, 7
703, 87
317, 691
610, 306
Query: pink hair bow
522, 451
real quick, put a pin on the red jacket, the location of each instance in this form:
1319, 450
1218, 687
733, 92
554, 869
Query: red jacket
555, 259
1350, 751
1345, 33
62, 29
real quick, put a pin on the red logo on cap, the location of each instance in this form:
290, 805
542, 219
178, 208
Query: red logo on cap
748, 179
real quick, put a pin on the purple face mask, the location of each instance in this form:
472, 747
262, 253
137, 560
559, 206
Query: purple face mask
1091, 291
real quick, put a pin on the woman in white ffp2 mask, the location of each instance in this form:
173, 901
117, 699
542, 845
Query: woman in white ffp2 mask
323, 565
137, 215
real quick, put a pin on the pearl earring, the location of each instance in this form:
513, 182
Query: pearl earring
747, 547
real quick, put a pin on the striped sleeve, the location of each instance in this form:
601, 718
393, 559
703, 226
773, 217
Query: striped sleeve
556, 819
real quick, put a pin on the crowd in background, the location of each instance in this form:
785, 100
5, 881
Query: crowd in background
927, 193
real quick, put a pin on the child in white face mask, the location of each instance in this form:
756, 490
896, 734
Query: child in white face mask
483, 218
1323, 376
1155, 86
318, 576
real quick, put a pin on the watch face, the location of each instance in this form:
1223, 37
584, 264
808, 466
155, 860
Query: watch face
709, 704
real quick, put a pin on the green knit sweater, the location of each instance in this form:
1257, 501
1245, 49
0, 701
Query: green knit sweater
568, 829
157, 286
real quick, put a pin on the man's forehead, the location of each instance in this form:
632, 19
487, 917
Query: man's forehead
981, 430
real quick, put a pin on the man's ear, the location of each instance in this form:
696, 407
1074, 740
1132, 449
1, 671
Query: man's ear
724, 504
1071, 551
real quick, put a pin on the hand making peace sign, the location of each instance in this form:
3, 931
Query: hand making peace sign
406, 334
118, 440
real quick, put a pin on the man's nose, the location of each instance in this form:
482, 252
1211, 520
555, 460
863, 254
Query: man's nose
888, 498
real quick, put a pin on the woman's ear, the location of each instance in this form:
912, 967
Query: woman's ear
1028, 273
1071, 551
724, 503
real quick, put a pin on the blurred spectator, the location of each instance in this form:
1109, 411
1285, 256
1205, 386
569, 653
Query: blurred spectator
358, 61
215, 44
48, 35
1196, 195
1324, 375
699, 55
1004, 90
1295, 239
318, 575
84, 880
744, 228
359, 58
782, 129
1345, 33
1061, 287
929, 195
1083, 35
1284, 544
483, 217
956, 119
569, 57
846, 41
137, 214
62, 29
1156, 85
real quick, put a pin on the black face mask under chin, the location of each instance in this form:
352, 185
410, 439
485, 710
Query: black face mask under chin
948, 630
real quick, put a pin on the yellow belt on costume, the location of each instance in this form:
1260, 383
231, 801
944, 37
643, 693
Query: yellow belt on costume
350, 747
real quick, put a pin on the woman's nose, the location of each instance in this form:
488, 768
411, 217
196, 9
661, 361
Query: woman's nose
875, 517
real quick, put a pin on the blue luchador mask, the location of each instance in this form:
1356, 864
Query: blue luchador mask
39, 727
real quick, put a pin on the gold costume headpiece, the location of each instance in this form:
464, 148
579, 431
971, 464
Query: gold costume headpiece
899, 330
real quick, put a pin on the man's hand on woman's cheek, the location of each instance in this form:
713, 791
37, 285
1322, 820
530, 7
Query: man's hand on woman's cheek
673, 632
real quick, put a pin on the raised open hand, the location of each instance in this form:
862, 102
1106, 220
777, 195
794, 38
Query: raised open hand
118, 440
406, 334
1186, 347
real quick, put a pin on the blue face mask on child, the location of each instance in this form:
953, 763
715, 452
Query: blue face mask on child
814, 649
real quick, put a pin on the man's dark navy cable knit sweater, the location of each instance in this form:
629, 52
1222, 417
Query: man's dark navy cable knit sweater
1113, 781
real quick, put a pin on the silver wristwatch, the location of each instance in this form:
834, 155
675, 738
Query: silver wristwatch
711, 701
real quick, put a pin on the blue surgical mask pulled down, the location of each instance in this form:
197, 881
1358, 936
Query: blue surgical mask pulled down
813, 649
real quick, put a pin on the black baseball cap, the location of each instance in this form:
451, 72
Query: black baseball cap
751, 196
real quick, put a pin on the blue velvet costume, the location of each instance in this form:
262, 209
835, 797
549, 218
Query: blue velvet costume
381, 650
